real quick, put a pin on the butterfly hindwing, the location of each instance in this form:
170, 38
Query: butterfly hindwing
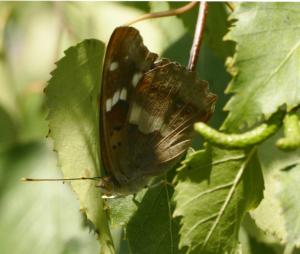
167, 102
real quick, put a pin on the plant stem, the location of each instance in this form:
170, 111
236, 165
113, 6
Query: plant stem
161, 14
198, 36
230, 6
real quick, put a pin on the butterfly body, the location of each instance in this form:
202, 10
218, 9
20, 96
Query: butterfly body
147, 112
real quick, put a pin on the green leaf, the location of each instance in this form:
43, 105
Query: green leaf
288, 196
279, 170
267, 215
278, 213
258, 238
72, 98
266, 63
215, 28
43, 217
121, 209
215, 188
152, 229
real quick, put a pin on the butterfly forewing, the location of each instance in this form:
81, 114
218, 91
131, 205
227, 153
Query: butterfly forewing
125, 62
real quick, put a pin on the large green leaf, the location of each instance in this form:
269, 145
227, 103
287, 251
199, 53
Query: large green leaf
288, 196
266, 64
215, 188
278, 212
72, 98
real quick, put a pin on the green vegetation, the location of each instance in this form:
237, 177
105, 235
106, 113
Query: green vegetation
234, 192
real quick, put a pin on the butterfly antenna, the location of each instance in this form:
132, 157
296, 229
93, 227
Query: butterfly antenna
25, 179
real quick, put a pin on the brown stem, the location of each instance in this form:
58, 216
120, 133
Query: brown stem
153, 15
198, 36
230, 6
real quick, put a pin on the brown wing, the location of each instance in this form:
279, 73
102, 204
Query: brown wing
125, 62
167, 102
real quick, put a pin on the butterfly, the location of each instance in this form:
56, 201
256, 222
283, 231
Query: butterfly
147, 110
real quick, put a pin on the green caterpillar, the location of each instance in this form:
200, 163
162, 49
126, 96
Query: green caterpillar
244, 140
291, 128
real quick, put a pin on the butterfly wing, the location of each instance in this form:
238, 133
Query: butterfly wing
167, 102
125, 62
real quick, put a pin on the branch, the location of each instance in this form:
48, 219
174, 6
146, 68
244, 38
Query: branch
198, 36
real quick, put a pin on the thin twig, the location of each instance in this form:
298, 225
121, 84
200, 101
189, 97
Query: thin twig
230, 5
198, 36
153, 15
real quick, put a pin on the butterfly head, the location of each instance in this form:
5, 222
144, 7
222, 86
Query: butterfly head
107, 187
111, 189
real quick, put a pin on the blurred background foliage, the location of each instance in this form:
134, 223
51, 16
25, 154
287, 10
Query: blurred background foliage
45, 217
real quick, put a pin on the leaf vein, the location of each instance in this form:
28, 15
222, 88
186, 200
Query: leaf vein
220, 187
211, 217
229, 196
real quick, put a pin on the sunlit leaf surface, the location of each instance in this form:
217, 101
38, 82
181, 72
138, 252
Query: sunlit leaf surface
215, 188
72, 98
266, 63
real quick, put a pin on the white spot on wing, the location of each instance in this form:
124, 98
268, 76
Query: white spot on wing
135, 113
116, 97
123, 94
136, 78
108, 105
146, 122
113, 66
